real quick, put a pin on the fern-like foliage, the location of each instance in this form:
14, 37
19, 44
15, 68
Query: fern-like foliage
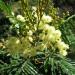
68, 32
55, 65
15, 65
58, 66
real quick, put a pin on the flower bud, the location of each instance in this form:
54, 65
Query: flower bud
62, 46
12, 20
34, 8
46, 18
20, 18
12, 13
63, 52
30, 39
17, 25
17, 41
30, 33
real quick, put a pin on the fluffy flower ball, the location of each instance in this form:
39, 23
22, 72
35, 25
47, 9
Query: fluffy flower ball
20, 18
46, 18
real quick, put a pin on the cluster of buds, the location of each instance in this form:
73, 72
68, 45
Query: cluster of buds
49, 36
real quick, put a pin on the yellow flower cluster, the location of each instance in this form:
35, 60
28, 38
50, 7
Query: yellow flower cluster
50, 38
46, 18
18, 17
62, 48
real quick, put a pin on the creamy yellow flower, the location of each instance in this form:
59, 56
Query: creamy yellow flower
51, 29
30, 33
50, 38
12, 20
63, 52
41, 25
42, 36
35, 15
29, 52
17, 41
58, 33
41, 47
17, 25
12, 13
62, 46
30, 39
26, 51
46, 27
46, 18
4, 47
27, 27
35, 27
20, 18
1, 44
34, 8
